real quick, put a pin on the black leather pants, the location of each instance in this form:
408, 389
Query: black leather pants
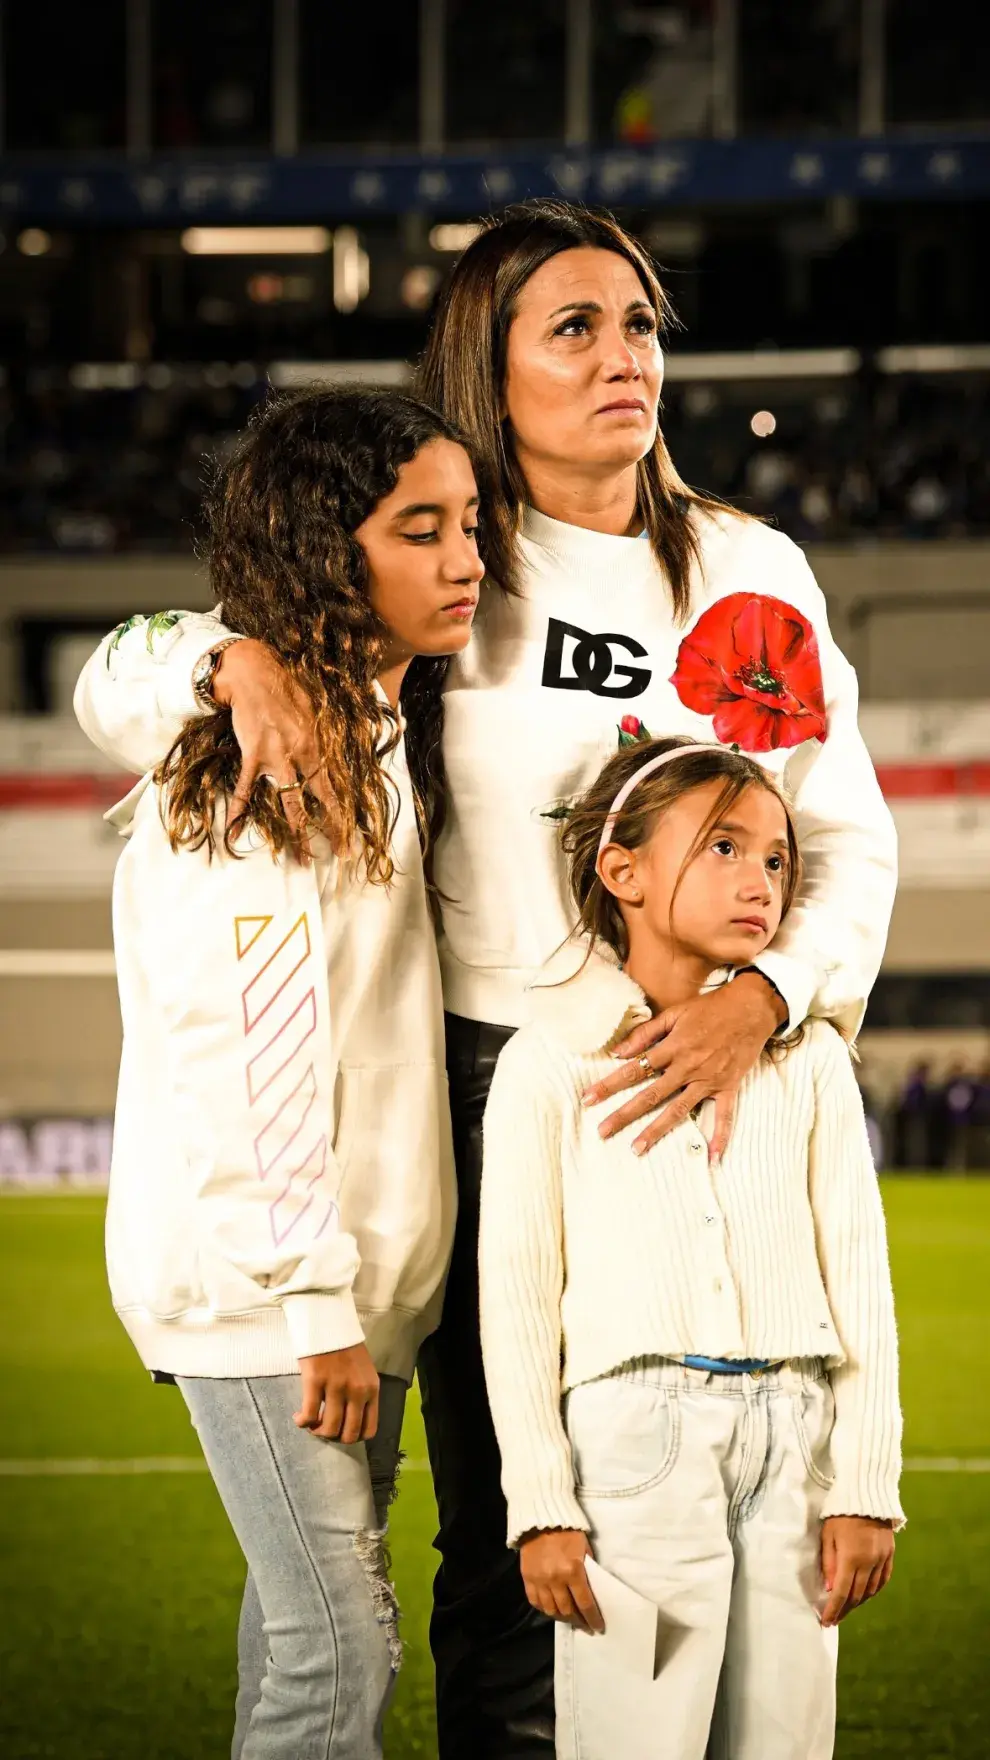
493, 1652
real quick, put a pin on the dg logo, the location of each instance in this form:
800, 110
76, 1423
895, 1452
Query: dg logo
577, 661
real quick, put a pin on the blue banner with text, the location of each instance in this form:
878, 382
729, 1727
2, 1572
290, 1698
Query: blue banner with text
180, 191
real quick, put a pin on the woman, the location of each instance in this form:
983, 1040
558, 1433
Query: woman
282, 1192
546, 352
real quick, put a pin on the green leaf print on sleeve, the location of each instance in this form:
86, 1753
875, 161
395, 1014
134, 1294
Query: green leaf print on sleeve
158, 624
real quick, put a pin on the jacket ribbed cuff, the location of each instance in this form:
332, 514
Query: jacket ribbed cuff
322, 1322
535, 1514
866, 1494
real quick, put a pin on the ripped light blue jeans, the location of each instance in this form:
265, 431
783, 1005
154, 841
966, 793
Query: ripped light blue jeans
318, 1645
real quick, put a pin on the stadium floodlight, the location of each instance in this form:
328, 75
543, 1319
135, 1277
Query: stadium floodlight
935, 358
453, 236
34, 242
765, 363
105, 376
351, 270
256, 241
286, 375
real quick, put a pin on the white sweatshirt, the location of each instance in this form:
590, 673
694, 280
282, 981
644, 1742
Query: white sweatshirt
592, 1258
520, 736
524, 730
282, 1177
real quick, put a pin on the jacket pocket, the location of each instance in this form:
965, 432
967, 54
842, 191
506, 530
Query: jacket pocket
624, 1436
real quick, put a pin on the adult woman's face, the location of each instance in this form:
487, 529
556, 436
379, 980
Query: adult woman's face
584, 366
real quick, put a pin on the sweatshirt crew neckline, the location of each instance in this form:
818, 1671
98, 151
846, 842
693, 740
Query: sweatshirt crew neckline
588, 553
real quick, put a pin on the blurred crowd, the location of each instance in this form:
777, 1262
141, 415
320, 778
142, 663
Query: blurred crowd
937, 1123
117, 469
885, 456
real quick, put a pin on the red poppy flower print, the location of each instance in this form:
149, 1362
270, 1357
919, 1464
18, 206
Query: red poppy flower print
752, 664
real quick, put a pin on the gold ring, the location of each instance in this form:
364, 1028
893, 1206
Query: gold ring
288, 787
645, 1064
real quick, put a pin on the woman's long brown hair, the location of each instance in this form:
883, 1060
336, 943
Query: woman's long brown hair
288, 570
463, 372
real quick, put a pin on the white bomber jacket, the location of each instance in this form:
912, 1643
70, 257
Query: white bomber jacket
282, 1177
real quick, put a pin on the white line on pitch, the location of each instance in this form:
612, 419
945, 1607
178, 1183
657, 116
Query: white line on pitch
54, 1468
182, 1463
946, 1463
45, 1469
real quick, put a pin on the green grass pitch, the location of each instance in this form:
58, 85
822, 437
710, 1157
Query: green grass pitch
120, 1595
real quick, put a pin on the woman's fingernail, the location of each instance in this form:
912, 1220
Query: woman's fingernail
639, 1148
714, 1161
605, 1130
589, 1098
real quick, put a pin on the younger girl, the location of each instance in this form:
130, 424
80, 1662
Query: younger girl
692, 1363
282, 1201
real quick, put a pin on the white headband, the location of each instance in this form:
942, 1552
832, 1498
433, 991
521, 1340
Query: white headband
637, 777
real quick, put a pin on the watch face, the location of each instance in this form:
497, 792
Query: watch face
203, 674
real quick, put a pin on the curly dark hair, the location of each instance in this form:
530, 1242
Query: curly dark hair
463, 369
287, 569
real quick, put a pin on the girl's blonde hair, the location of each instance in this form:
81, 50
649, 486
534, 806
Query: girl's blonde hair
599, 914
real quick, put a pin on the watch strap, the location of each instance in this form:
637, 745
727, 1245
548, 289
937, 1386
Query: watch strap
204, 673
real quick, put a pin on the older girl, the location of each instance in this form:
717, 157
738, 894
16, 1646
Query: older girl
546, 351
282, 1198
692, 1364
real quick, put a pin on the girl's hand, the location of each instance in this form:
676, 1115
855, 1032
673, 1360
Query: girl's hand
556, 1580
857, 1559
701, 1050
345, 1385
273, 723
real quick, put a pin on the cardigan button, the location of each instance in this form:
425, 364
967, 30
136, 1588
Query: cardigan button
711, 1219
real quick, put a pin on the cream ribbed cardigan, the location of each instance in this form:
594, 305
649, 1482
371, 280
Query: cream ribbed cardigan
592, 1257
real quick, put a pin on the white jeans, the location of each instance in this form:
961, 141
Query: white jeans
704, 1493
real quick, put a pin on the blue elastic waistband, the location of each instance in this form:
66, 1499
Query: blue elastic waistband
727, 1365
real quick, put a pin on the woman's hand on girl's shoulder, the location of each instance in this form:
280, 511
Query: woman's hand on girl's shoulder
700, 1050
555, 1578
274, 726
857, 1561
